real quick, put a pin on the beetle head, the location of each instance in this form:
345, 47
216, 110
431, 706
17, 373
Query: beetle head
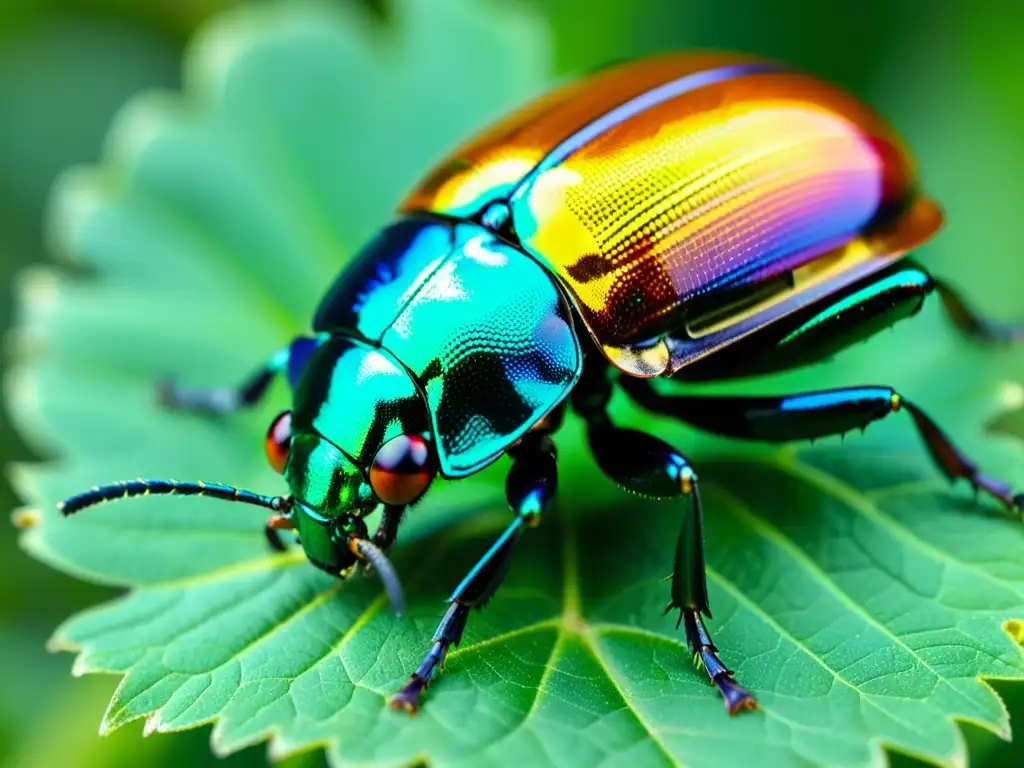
357, 438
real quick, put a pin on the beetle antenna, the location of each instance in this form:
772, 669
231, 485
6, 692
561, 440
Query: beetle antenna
367, 550
125, 489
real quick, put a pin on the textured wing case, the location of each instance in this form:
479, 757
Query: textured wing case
686, 201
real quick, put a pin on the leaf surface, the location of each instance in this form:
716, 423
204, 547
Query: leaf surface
858, 597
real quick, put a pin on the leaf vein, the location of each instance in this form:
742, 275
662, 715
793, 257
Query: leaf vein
753, 607
842, 492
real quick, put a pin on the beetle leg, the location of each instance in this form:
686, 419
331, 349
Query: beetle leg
276, 523
221, 401
387, 530
818, 414
954, 463
529, 488
218, 401
651, 467
974, 326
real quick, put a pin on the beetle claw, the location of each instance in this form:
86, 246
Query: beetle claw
736, 697
408, 699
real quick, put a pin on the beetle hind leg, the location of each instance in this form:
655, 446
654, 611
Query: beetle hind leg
646, 465
973, 325
811, 415
954, 463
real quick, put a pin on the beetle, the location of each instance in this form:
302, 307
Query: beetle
697, 217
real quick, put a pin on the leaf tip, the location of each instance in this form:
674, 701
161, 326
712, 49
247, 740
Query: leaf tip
77, 193
58, 644
152, 725
1011, 395
1015, 629
39, 288
26, 518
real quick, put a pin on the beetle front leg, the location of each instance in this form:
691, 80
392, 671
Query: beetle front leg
274, 525
387, 530
973, 325
222, 401
819, 414
529, 488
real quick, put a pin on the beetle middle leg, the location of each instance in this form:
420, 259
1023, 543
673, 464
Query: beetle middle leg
529, 488
812, 415
650, 467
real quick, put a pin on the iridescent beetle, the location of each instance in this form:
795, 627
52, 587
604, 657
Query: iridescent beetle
700, 217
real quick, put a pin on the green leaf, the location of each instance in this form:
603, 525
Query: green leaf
1011, 423
857, 596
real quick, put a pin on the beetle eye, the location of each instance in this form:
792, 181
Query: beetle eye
402, 469
278, 441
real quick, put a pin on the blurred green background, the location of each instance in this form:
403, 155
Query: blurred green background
947, 73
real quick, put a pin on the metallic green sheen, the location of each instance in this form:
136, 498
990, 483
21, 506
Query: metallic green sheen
849, 318
489, 337
890, 284
822, 330
357, 397
322, 477
317, 536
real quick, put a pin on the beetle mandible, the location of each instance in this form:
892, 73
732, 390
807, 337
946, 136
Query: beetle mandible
695, 216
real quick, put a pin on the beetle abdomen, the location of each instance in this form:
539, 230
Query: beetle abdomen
717, 189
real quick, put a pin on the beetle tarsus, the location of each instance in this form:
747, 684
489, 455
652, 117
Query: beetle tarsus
217, 401
973, 325
408, 699
736, 697
957, 465
448, 633
995, 489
